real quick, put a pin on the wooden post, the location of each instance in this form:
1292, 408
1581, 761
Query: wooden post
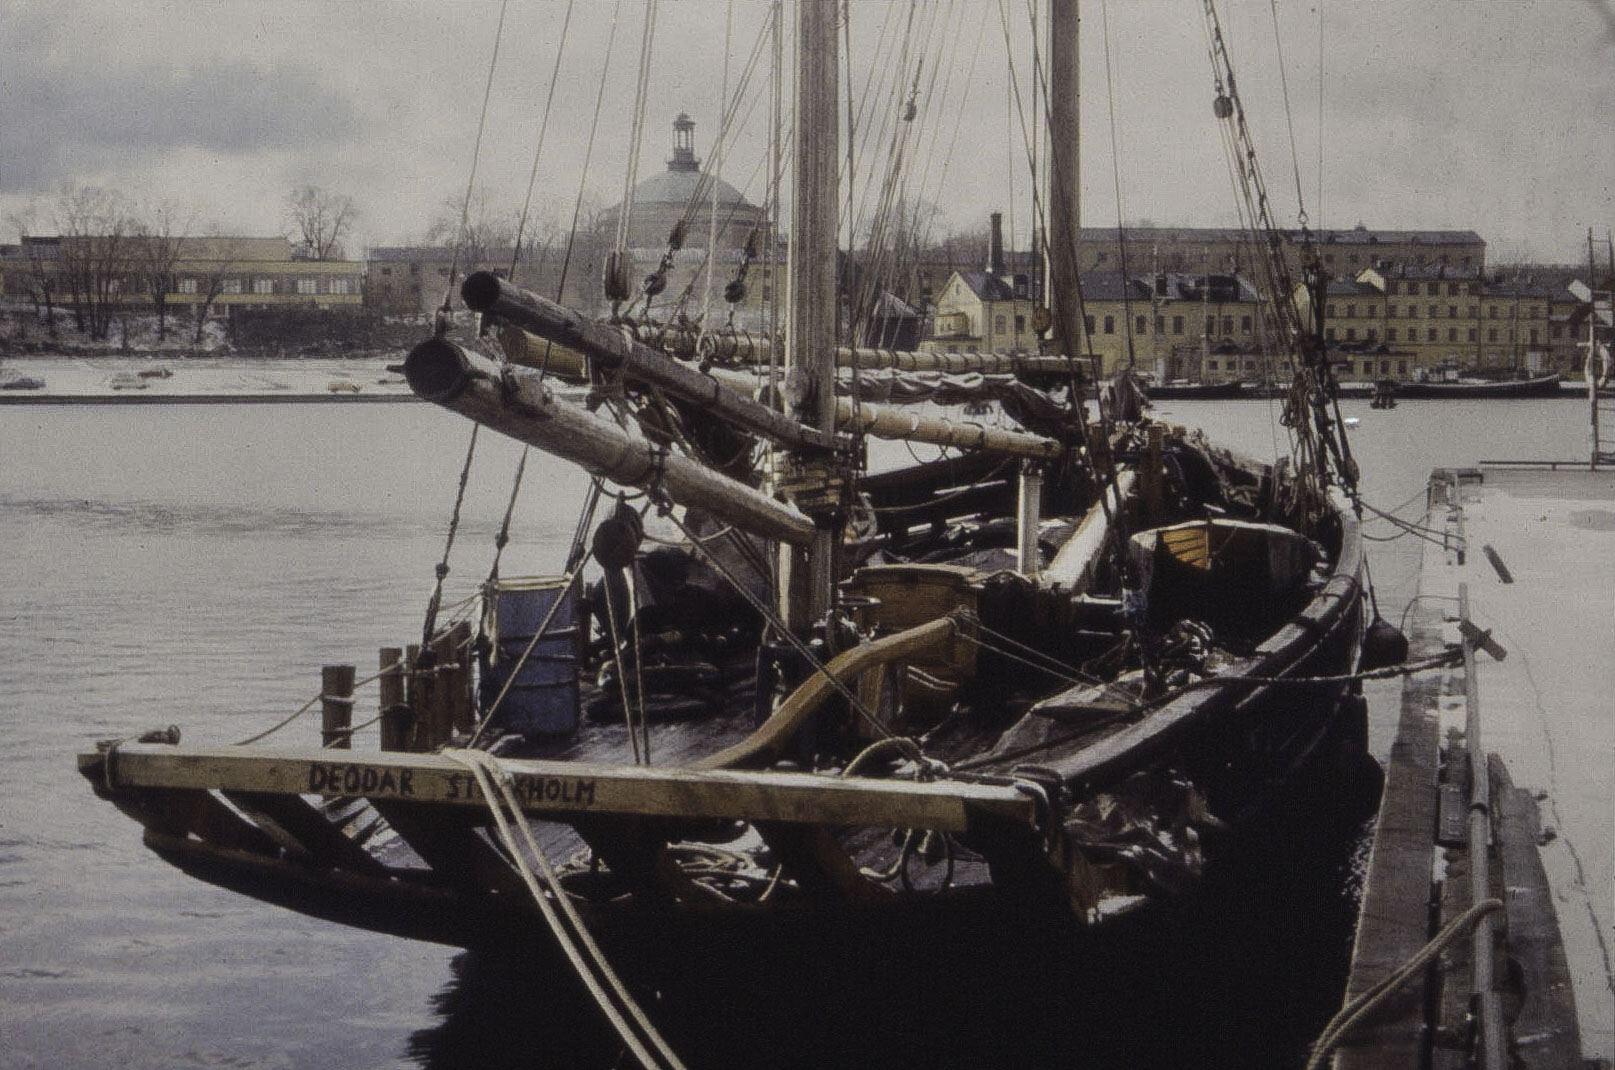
336, 705
453, 688
396, 717
418, 692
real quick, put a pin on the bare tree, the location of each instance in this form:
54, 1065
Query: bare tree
486, 228
41, 275
318, 219
96, 257
158, 246
212, 282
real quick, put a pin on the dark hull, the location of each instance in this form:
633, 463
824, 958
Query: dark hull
1196, 391
1245, 745
1541, 386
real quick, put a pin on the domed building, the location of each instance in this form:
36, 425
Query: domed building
661, 201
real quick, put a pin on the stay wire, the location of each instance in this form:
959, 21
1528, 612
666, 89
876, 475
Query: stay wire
476, 155
538, 149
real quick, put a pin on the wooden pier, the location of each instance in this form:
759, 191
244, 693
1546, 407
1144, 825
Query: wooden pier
1498, 787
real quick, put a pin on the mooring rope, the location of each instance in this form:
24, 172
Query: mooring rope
1359, 1008
610, 994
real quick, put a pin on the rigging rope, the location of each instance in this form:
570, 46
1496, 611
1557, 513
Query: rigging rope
538, 149
633, 1026
471, 180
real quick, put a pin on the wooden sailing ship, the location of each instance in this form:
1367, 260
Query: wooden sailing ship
1055, 670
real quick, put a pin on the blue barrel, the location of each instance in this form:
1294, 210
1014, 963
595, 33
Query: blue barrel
543, 700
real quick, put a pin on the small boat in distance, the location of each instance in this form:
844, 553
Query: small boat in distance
1535, 386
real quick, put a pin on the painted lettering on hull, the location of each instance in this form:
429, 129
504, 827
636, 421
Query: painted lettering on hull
338, 778
530, 790
341, 778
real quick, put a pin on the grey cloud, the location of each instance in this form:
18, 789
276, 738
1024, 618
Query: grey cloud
65, 118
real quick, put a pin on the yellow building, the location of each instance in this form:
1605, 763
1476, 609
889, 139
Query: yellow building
1210, 250
978, 312
213, 271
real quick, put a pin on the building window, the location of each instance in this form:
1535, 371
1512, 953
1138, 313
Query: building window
306, 286
1390, 312
1452, 289
1020, 324
1177, 324
1087, 324
1401, 367
1557, 331
1390, 334
1491, 334
386, 271
998, 324
1452, 312
1385, 367
1345, 367
1211, 326
1432, 311
1245, 324
1413, 289
341, 286
1329, 333
1110, 324
1430, 335
1141, 325
263, 286
1211, 365
1413, 312
1228, 325
1452, 334
1351, 312
1474, 312
188, 286
1491, 312
1371, 334
232, 286
1329, 311
1474, 335
1533, 336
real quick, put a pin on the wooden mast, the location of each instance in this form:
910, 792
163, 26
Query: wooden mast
807, 580
1065, 213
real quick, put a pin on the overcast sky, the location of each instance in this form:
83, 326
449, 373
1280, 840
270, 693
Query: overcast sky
1442, 114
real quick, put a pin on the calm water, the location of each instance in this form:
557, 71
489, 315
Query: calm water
196, 565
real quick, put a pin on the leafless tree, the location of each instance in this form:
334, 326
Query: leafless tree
318, 219
210, 283
41, 275
159, 244
97, 256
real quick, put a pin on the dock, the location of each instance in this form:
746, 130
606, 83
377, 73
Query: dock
1515, 868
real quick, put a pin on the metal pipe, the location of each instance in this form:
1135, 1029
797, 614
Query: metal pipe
517, 402
1492, 1044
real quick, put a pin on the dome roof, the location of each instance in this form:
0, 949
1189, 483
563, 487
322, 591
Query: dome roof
677, 187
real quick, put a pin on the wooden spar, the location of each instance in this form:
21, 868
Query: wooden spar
807, 582
565, 787
531, 351
894, 422
515, 401
899, 424
1065, 213
748, 349
611, 347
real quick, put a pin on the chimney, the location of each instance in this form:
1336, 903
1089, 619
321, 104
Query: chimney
995, 247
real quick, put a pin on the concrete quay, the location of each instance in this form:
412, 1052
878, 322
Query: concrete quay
1531, 550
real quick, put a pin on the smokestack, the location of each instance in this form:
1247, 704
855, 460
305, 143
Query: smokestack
995, 247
